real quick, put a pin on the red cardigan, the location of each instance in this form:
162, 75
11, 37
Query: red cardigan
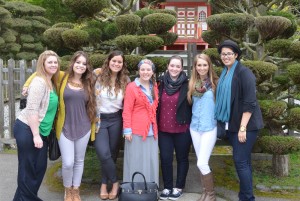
138, 113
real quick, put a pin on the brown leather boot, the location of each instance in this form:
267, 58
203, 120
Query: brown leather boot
68, 194
203, 194
208, 183
76, 196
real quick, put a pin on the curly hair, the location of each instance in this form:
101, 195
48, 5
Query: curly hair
106, 74
88, 82
195, 76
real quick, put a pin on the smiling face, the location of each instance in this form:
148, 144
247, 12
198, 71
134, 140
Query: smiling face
145, 72
202, 68
116, 64
79, 66
175, 68
228, 57
51, 65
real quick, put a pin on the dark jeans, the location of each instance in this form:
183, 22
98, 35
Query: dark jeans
32, 163
242, 162
181, 142
107, 144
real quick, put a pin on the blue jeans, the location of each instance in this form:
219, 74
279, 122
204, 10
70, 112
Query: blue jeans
242, 162
181, 142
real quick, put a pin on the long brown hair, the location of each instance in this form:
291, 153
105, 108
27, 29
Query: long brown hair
106, 73
195, 76
88, 82
40, 67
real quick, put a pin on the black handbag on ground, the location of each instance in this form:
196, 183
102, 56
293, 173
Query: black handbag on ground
138, 191
54, 151
221, 132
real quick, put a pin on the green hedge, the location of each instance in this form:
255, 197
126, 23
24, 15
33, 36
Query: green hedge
149, 43
127, 43
128, 24
67, 25
279, 45
75, 38
9, 37
97, 60
158, 23
294, 118
26, 55
53, 37
279, 145
143, 12
294, 72
26, 38
272, 109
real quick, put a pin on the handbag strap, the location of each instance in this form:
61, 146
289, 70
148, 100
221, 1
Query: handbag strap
132, 185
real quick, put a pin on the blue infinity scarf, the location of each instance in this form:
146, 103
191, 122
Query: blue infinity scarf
222, 109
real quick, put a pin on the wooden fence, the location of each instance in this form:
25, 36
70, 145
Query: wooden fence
12, 77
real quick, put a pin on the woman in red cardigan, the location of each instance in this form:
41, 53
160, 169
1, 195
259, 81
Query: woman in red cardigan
140, 126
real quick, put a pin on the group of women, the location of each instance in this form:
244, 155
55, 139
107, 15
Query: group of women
156, 118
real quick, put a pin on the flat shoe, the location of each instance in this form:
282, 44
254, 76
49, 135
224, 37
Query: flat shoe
112, 197
104, 196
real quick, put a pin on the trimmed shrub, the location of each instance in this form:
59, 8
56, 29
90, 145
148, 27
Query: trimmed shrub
278, 45
13, 47
26, 38
64, 65
290, 31
128, 24
279, 145
95, 34
127, 43
67, 25
160, 63
282, 79
9, 37
87, 7
270, 27
294, 72
149, 43
295, 49
211, 37
26, 55
262, 70
158, 23
38, 47
272, 109
74, 38
21, 25
294, 118
169, 38
143, 12
2, 41
28, 46
108, 45
110, 31
38, 26
214, 56
53, 38
41, 19
253, 35
132, 61
235, 24
166, 11
97, 60
4, 12
23, 9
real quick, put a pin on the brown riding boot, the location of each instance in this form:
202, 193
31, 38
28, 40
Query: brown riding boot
76, 196
68, 194
203, 193
208, 183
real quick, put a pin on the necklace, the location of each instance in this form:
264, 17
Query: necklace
74, 84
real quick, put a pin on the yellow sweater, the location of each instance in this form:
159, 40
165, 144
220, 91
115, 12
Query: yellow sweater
61, 113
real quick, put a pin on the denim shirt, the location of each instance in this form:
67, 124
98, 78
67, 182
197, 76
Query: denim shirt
128, 131
203, 112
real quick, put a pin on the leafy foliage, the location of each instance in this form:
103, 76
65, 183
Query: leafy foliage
279, 145
158, 23
149, 43
294, 72
127, 43
53, 37
272, 109
87, 7
169, 38
128, 24
74, 38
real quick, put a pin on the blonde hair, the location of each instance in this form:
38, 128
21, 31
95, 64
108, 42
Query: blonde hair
40, 67
195, 76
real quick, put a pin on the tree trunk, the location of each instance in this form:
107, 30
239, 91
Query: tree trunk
280, 165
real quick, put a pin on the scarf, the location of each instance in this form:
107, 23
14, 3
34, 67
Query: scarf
223, 100
201, 87
172, 86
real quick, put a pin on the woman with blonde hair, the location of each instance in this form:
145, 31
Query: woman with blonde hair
201, 95
33, 126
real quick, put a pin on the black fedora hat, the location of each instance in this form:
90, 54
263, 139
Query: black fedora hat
232, 45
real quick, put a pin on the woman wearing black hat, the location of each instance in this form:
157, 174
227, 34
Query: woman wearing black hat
237, 108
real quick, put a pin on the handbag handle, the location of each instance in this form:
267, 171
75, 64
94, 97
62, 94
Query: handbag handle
132, 186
